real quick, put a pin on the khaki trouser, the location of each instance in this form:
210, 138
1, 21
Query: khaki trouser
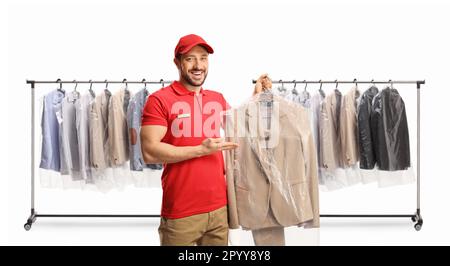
205, 229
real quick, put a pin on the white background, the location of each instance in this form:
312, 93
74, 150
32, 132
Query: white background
313, 40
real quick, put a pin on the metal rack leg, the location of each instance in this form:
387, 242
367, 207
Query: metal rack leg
417, 218
32, 217
30, 220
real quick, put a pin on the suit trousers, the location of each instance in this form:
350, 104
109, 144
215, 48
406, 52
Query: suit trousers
272, 233
272, 236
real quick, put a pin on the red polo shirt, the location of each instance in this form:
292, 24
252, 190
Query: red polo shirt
196, 185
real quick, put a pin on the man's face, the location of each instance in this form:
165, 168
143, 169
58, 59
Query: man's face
193, 66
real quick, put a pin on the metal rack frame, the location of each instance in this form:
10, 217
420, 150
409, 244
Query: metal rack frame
415, 217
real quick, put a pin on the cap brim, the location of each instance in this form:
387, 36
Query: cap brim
208, 48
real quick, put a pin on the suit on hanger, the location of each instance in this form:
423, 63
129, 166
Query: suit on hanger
272, 176
365, 138
390, 131
117, 127
329, 132
98, 131
348, 128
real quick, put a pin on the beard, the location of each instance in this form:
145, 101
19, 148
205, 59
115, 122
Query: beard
192, 82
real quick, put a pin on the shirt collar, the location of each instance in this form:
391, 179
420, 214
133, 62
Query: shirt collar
181, 90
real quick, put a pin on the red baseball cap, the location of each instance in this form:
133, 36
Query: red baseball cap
186, 43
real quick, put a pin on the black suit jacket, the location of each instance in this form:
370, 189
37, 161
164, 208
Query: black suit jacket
389, 128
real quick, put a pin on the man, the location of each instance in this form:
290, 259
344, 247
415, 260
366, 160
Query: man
180, 128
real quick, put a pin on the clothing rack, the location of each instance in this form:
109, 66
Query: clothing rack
415, 217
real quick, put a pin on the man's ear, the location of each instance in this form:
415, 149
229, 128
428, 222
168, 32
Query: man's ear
177, 62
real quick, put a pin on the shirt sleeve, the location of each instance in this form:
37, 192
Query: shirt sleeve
154, 113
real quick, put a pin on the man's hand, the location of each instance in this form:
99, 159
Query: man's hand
211, 145
262, 83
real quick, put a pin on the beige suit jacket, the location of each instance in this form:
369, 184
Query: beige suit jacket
117, 128
98, 131
276, 169
349, 129
329, 139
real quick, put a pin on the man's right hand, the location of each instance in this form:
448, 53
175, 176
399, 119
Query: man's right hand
211, 145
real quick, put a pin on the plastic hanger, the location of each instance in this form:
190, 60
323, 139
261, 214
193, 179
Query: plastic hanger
320, 89
126, 84
75, 93
356, 82
90, 89
107, 92
294, 90
336, 89
145, 84
60, 89
306, 94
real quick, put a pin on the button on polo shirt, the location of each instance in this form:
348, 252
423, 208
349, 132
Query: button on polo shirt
196, 185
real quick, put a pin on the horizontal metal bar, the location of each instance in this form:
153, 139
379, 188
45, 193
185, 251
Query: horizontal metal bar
348, 81
156, 215
366, 215
100, 215
96, 81
254, 81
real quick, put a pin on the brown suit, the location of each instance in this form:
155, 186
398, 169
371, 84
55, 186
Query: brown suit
338, 130
272, 175
348, 128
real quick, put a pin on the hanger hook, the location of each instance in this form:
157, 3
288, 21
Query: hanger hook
126, 83
337, 83
162, 82
356, 82
295, 84
320, 81
60, 84
76, 84
145, 83
90, 81
306, 84
373, 82
106, 81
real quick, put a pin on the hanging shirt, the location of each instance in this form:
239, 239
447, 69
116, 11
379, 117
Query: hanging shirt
134, 117
50, 151
196, 185
82, 124
70, 157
